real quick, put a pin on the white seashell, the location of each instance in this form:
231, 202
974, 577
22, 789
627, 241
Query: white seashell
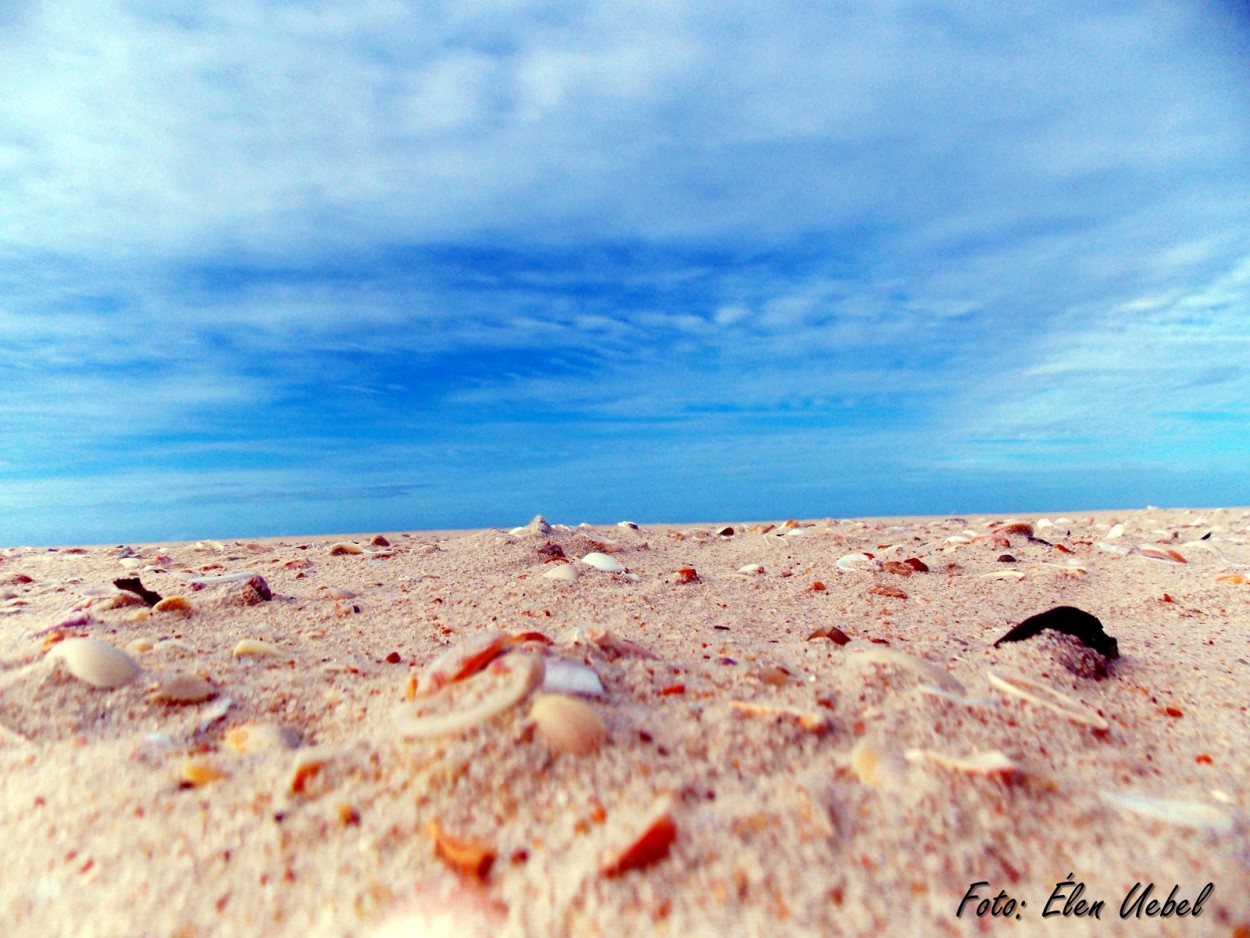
1117, 530
1016, 575
96, 662
1174, 811
1043, 523
958, 539
1047, 697
564, 573
571, 677
853, 562
752, 568
627, 524
603, 562
864, 653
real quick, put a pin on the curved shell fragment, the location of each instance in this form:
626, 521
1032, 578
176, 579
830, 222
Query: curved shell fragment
1049, 698
564, 573
96, 662
255, 648
990, 762
863, 653
463, 705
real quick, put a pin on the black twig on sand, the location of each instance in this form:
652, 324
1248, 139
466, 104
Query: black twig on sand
1078, 623
132, 585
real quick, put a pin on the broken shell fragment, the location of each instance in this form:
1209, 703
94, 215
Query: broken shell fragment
568, 725
753, 569
182, 688
460, 706
603, 562
650, 845
255, 648
1042, 696
308, 764
991, 762
467, 857
193, 773
859, 563
95, 662
864, 653
343, 547
1180, 812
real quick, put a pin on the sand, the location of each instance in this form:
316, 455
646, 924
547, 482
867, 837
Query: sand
755, 777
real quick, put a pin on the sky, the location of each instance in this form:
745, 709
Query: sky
291, 268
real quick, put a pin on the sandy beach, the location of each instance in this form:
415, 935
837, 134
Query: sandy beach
760, 728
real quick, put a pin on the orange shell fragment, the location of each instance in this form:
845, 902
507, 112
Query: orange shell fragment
467, 857
650, 846
1233, 578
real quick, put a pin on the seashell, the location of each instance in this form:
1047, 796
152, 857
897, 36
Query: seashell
571, 677
1180, 812
603, 562
723, 531
568, 725
686, 575
1117, 531
1162, 553
1042, 696
193, 773
183, 687
812, 722
95, 662
612, 646
343, 547
564, 573
831, 632
255, 648
876, 766
209, 545
752, 568
627, 524
308, 764
1238, 578
991, 762
1015, 527
462, 659
505, 683
177, 604
138, 646
251, 738
865, 653
854, 562
467, 857
648, 846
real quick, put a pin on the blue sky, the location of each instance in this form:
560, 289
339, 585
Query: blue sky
283, 268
